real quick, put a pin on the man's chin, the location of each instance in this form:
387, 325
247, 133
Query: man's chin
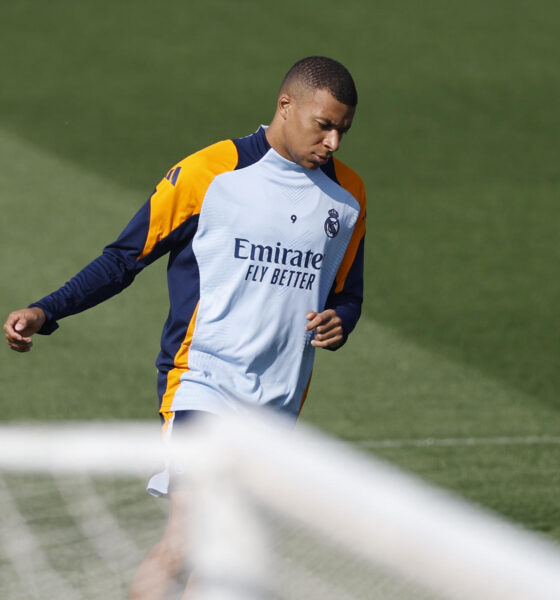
314, 162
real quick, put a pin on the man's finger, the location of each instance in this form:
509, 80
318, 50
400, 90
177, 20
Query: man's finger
20, 325
14, 328
327, 332
328, 341
16, 338
328, 326
26, 348
313, 323
311, 317
329, 321
25, 326
20, 345
11, 333
318, 319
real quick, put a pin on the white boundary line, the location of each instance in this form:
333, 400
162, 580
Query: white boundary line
468, 441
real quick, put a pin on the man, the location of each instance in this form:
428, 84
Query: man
265, 239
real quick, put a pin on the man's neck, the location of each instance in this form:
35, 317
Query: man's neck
275, 138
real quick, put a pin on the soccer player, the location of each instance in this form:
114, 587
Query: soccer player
265, 239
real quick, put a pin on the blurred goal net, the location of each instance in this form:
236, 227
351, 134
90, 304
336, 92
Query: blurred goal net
272, 514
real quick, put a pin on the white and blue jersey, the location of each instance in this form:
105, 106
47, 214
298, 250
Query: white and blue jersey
255, 242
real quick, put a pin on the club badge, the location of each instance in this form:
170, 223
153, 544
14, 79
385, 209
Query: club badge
332, 224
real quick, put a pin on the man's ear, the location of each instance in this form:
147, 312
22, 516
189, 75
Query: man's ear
285, 103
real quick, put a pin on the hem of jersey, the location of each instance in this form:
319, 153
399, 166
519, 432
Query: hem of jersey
216, 407
227, 409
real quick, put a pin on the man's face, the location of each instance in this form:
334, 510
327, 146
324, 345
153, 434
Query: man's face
314, 124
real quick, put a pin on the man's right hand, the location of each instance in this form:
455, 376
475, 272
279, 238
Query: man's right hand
21, 325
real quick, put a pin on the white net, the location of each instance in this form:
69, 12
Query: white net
272, 514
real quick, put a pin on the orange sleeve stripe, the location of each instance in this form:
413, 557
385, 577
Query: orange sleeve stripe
353, 183
171, 205
181, 362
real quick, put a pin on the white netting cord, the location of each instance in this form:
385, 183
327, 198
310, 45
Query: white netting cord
397, 522
226, 543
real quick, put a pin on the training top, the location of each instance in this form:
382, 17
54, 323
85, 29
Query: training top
255, 241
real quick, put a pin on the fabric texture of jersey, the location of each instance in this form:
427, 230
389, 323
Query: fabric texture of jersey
254, 242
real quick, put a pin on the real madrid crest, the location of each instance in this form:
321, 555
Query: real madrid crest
332, 224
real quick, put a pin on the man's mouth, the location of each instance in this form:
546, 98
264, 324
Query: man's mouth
321, 159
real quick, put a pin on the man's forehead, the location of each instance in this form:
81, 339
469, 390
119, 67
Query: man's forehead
322, 104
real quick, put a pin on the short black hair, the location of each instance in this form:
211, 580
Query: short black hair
320, 73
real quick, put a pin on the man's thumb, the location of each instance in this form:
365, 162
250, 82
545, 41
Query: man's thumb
20, 325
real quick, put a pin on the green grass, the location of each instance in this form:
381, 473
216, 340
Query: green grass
456, 138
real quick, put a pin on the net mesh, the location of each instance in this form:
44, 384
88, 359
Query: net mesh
272, 514
73, 536
312, 565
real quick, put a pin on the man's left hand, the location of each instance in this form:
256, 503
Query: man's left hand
328, 329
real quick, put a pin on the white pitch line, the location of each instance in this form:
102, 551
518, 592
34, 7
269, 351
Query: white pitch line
469, 441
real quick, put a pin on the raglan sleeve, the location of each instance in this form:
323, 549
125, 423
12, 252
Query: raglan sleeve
346, 295
160, 223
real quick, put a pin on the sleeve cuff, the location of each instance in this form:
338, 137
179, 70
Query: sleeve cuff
50, 323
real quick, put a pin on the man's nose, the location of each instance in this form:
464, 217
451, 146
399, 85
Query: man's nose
332, 140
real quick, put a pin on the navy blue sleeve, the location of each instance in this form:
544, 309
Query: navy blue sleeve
104, 277
348, 302
109, 274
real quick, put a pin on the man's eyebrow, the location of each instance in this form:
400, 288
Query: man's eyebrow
330, 123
